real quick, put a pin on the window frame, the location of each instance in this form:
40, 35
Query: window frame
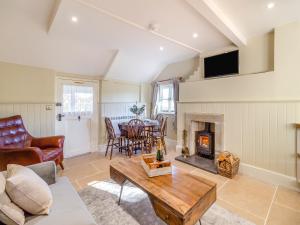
170, 98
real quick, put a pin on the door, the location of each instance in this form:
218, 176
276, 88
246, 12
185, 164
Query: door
77, 115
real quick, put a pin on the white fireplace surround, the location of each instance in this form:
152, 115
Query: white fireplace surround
196, 122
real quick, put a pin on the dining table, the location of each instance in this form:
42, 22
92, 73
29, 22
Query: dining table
149, 125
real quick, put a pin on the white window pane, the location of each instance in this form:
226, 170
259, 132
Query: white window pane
165, 105
77, 100
165, 93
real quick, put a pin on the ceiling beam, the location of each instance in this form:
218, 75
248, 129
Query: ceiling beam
209, 10
53, 14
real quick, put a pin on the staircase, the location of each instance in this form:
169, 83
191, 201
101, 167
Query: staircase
195, 76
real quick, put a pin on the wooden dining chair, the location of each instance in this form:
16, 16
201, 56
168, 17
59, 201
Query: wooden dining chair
161, 133
159, 118
137, 137
114, 140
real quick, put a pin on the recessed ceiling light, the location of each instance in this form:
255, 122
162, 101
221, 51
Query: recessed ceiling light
271, 5
74, 19
161, 48
195, 35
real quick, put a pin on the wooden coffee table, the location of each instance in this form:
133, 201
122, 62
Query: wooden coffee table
178, 198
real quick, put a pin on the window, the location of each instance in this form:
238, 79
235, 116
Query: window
77, 100
165, 98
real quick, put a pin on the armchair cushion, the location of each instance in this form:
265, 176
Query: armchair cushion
48, 142
51, 153
22, 156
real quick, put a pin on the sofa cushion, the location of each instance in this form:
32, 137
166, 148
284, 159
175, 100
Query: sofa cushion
28, 190
67, 208
10, 213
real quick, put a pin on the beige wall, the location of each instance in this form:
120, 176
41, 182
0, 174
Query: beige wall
115, 91
24, 84
281, 84
259, 109
72, 75
258, 55
255, 57
179, 69
146, 95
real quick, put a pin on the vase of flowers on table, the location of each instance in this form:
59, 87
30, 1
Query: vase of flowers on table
137, 111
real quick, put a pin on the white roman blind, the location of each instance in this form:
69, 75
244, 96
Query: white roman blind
77, 100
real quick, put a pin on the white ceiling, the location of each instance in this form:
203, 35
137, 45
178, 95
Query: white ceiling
112, 40
253, 18
24, 40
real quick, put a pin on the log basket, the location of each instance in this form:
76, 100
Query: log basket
228, 164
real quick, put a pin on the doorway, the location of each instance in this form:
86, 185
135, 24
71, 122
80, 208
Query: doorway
77, 115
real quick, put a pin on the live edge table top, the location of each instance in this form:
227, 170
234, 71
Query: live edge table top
177, 198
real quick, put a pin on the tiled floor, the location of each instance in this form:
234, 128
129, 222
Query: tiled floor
259, 202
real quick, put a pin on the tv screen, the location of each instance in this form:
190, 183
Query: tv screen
221, 65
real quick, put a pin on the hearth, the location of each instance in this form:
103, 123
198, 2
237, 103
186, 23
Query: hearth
205, 142
204, 157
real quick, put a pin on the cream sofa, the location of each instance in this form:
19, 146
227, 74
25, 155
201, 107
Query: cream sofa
67, 208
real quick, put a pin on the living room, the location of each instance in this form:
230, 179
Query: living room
149, 112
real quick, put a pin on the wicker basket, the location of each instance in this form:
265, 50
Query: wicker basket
228, 164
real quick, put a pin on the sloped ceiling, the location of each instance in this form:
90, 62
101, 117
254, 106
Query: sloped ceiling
253, 18
111, 38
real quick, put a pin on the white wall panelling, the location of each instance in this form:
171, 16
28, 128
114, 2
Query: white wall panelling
38, 121
262, 134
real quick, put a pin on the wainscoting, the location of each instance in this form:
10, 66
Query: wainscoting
39, 119
262, 134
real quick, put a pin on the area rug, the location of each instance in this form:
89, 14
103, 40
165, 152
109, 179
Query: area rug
135, 209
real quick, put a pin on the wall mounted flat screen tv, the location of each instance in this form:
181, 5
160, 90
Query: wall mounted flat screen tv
221, 65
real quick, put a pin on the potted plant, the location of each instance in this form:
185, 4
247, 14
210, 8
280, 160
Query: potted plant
138, 111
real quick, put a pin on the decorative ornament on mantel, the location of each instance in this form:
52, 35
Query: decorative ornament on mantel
185, 150
137, 111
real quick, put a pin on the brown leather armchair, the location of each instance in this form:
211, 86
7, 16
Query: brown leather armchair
19, 147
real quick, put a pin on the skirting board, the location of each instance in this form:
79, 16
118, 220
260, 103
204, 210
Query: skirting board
102, 147
264, 175
269, 176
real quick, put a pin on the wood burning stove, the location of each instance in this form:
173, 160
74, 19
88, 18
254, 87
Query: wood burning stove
205, 142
